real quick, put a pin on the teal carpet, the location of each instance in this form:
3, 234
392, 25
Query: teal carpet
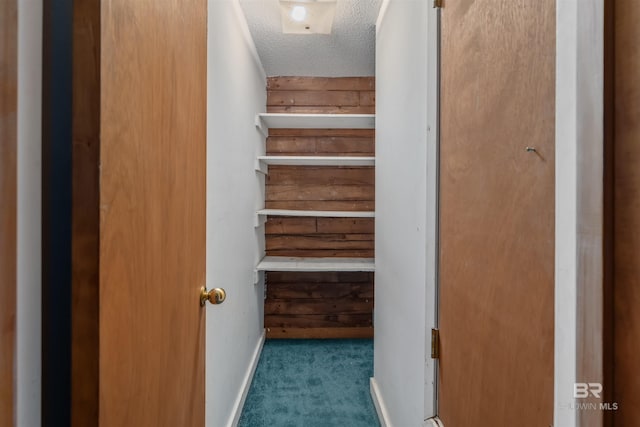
312, 383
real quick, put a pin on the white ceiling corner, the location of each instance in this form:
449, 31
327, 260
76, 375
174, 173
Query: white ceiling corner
348, 51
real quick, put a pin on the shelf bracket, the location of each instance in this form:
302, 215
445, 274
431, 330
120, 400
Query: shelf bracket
259, 220
258, 276
261, 127
261, 167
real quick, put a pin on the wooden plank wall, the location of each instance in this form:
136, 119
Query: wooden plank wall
320, 305
8, 205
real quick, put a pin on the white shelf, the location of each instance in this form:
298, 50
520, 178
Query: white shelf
330, 214
274, 263
316, 161
263, 162
265, 121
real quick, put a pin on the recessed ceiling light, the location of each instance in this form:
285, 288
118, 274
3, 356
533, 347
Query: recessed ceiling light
298, 13
307, 16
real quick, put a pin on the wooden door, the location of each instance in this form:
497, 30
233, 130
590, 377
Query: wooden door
8, 205
497, 213
152, 212
626, 312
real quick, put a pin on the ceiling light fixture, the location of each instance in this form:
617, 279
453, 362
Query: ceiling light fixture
298, 13
307, 16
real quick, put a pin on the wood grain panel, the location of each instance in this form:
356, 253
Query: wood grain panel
8, 205
315, 306
326, 176
329, 145
276, 192
368, 99
302, 306
85, 222
321, 95
327, 241
497, 213
302, 145
627, 213
319, 277
284, 225
319, 321
312, 98
152, 212
293, 225
347, 146
346, 225
319, 290
303, 288
321, 83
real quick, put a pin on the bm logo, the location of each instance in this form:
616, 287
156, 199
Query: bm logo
584, 390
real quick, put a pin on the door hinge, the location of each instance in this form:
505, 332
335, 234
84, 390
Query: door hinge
435, 344
437, 4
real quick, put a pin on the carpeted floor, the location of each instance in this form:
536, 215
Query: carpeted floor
312, 383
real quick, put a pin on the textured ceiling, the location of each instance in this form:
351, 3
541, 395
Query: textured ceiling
348, 51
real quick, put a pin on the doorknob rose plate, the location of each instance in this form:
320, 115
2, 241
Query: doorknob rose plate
214, 296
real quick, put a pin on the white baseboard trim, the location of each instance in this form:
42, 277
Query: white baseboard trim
378, 402
246, 384
433, 422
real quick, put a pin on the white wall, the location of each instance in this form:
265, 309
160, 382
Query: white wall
29, 213
405, 213
236, 92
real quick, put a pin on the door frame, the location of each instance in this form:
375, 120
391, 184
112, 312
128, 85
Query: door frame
29, 224
433, 208
578, 356
20, 219
579, 205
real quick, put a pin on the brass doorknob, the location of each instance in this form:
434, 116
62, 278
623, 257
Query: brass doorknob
214, 296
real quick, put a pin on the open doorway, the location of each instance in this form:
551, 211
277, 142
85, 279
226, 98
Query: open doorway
291, 203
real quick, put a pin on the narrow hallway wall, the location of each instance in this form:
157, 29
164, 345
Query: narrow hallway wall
402, 237
235, 93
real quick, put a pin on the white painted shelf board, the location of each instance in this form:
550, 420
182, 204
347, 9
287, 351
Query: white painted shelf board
316, 121
317, 161
329, 214
275, 263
